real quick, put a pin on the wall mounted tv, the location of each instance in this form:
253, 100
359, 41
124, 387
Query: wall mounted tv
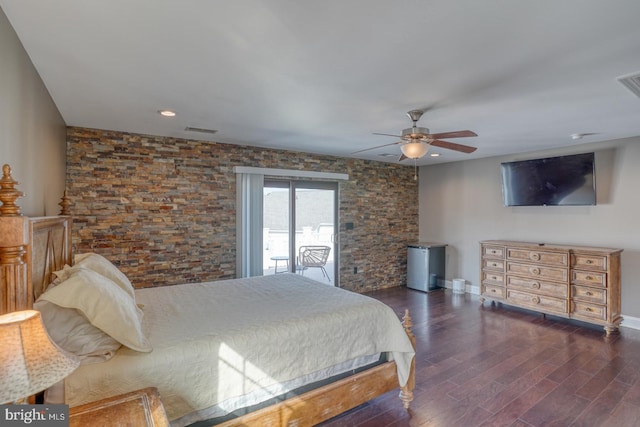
552, 181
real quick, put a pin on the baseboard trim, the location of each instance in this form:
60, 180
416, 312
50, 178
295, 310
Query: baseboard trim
627, 321
630, 322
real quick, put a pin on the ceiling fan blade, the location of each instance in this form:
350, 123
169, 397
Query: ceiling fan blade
453, 146
402, 157
386, 134
379, 146
455, 134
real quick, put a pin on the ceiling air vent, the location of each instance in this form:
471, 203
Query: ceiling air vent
201, 130
632, 82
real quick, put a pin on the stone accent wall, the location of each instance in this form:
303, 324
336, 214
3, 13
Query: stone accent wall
164, 209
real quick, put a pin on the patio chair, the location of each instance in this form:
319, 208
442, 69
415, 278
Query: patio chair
313, 257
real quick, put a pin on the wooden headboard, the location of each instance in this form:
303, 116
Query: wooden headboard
31, 249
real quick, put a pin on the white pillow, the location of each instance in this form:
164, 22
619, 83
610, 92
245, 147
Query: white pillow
99, 264
68, 328
103, 303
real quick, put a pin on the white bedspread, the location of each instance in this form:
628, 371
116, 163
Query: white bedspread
219, 340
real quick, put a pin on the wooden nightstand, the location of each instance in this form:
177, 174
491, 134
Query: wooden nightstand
138, 408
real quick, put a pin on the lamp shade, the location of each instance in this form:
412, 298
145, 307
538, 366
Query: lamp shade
29, 361
415, 149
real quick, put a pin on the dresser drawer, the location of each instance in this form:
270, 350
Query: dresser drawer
492, 278
492, 251
560, 259
588, 278
537, 302
491, 291
589, 262
493, 264
588, 311
552, 289
538, 271
584, 293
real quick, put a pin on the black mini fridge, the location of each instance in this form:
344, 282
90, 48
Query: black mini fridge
425, 266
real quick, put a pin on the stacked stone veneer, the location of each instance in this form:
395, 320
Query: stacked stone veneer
164, 209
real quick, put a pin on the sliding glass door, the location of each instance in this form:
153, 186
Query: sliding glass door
300, 232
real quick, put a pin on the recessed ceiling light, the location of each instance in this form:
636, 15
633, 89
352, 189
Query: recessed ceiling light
435, 154
167, 113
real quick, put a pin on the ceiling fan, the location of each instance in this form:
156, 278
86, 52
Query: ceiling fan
416, 141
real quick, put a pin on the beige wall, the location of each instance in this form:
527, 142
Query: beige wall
461, 204
32, 132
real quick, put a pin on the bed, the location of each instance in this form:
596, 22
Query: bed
266, 343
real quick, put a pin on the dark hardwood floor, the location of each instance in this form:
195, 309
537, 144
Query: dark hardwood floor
493, 365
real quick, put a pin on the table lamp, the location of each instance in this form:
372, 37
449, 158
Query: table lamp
29, 361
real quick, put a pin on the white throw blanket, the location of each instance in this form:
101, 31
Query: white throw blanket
213, 342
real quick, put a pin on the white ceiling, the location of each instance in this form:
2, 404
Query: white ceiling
322, 76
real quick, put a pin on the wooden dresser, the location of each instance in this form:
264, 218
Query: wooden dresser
576, 282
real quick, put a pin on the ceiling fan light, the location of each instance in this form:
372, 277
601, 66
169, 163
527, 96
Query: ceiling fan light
415, 150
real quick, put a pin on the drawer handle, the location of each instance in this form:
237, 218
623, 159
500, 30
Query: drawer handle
494, 264
494, 277
589, 278
493, 290
535, 270
535, 285
588, 309
535, 300
588, 261
588, 293
535, 257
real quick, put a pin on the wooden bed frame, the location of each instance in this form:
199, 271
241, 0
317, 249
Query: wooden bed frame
31, 249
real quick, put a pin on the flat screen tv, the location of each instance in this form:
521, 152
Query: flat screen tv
552, 181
